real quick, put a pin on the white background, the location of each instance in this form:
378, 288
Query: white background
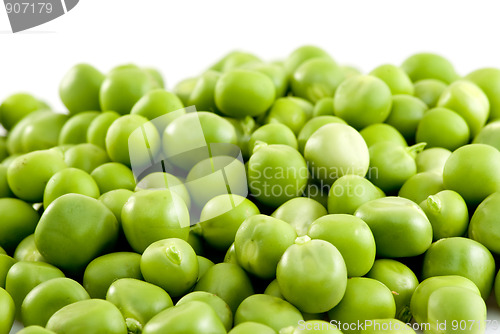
182, 37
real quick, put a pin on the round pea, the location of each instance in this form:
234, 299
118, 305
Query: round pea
14, 140
432, 159
240, 93
464, 257
104, 270
312, 126
156, 103
268, 310
96, 132
469, 101
273, 133
483, 224
184, 88
237, 59
19, 220
300, 213
49, 297
28, 174
364, 299
288, 111
8, 311
113, 175
203, 92
349, 192
27, 251
260, 242
429, 91
88, 316
43, 132
273, 289
79, 88
15, 107
400, 280
121, 89
418, 187
302, 54
380, 132
397, 79
160, 180
69, 180
275, 72
218, 305
6, 262
488, 79
152, 215
429, 66
399, 226
483, 176
222, 216
405, 116
362, 100
90, 229
441, 127
250, 327
335, 150
324, 107
114, 200
489, 135
448, 214
35, 330
203, 265
171, 264
351, 236
75, 129
86, 157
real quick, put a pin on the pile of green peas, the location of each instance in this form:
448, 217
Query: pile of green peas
373, 200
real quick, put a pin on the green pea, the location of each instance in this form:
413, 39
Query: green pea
203, 92
406, 114
75, 129
114, 200
288, 111
19, 220
237, 59
88, 316
432, 159
160, 180
275, 72
97, 129
113, 175
222, 216
230, 256
418, 187
152, 215
301, 55
448, 214
182, 148
218, 305
203, 265
335, 150
27, 251
251, 327
17, 106
155, 75
483, 227
387, 326
49, 297
349, 192
469, 101
24, 276
397, 79
43, 132
260, 242
189, 318
429, 66
138, 301
489, 135
316, 78
131, 139
312, 126
488, 79
8, 161
364, 299
14, 140
171, 264
483, 177
184, 88
35, 330
69, 180
362, 100
86, 157
380, 132
423, 292
464, 257
6, 262
228, 281
399, 226
429, 91
240, 93
400, 280
28, 174
79, 88
349, 71
90, 229
300, 213
441, 127
273, 289
272, 134
8, 311
104, 270
276, 173
121, 89
268, 310
324, 107
351, 236
392, 164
